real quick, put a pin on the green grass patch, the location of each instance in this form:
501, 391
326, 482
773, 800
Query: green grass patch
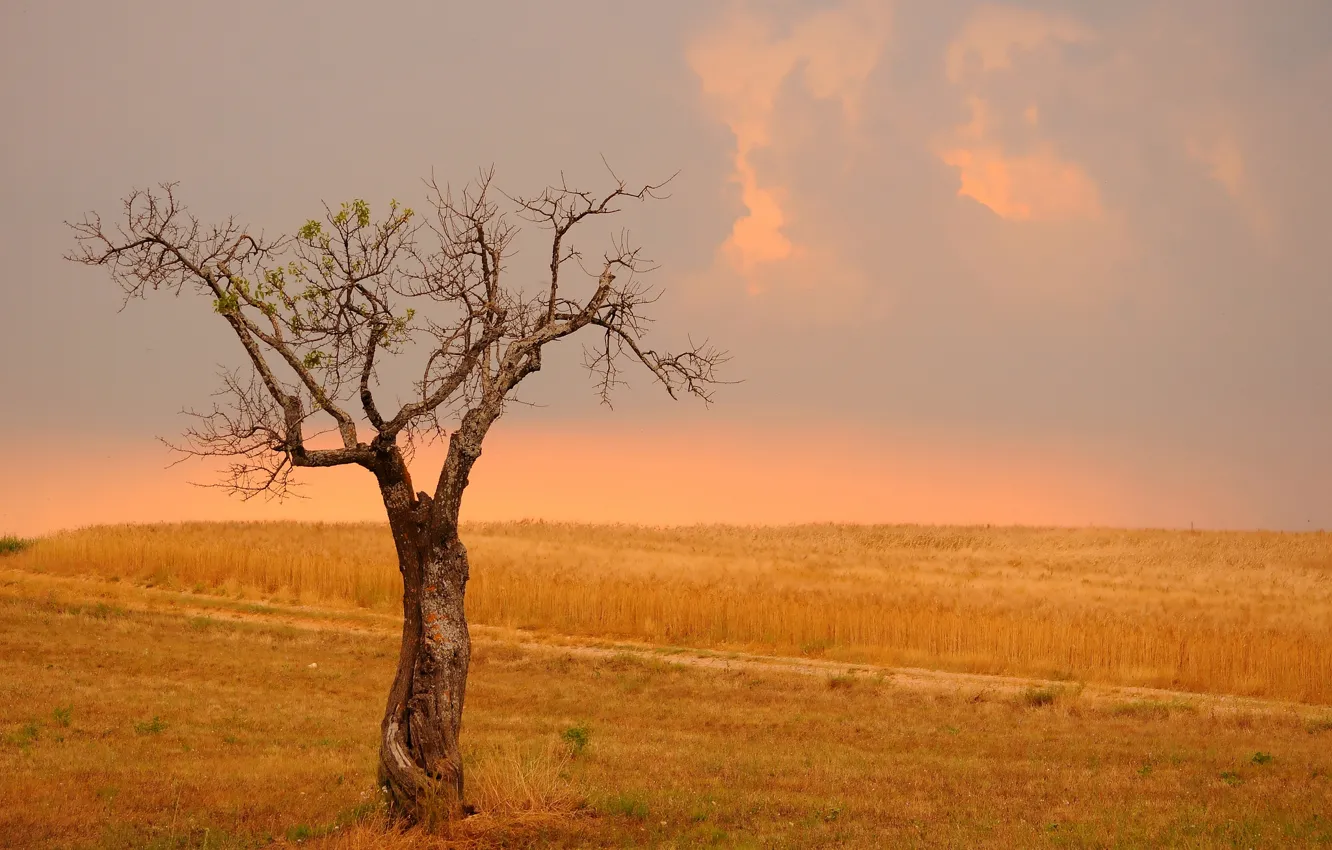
1153, 708
1039, 697
626, 805
156, 726
24, 737
1318, 725
577, 737
11, 545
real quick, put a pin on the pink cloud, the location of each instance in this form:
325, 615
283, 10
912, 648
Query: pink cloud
742, 63
1036, 183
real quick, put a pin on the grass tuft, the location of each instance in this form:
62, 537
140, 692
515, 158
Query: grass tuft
1148, 709
11, 545
577, 737
62, 715
630, 805
156, 726
841, 681
529, 779
1040, 697
1318, 725
25, 736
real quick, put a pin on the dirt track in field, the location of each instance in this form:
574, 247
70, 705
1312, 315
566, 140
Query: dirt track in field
71, 593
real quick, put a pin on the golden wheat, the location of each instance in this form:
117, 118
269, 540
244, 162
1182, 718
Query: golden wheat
149, 726
1243, 613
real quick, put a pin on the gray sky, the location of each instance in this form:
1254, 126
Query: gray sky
1095, 226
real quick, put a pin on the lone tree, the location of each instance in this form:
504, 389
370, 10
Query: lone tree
317, 311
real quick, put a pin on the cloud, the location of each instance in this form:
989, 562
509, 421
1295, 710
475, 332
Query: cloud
1222, 159
743, 64
1035, 186
993, 33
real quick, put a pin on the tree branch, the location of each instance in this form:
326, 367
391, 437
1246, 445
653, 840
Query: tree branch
313, 311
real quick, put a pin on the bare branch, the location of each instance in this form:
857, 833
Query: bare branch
251, 431
561, 208
317, 310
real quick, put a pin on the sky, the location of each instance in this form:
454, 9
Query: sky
1015, 263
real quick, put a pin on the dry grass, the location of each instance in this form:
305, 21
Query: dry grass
512, 779
123, 728
1246, 613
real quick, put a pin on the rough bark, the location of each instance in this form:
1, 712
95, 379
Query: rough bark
420, 764
419, 761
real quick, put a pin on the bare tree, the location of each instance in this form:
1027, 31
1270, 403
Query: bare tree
317, 311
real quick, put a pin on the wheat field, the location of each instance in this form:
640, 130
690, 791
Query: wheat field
129, 722
1226, 612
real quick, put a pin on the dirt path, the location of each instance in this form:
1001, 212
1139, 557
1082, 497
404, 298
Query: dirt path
76, 591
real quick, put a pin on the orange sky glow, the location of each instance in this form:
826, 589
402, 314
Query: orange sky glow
629, 473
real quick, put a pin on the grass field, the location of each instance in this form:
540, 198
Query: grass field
151, 717
1241, 613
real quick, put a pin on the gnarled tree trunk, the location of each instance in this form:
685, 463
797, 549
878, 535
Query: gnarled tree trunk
419, 761
420, 764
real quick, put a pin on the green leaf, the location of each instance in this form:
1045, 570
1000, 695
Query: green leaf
228, 302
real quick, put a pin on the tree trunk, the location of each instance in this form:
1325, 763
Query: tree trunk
419, 761
420, 765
